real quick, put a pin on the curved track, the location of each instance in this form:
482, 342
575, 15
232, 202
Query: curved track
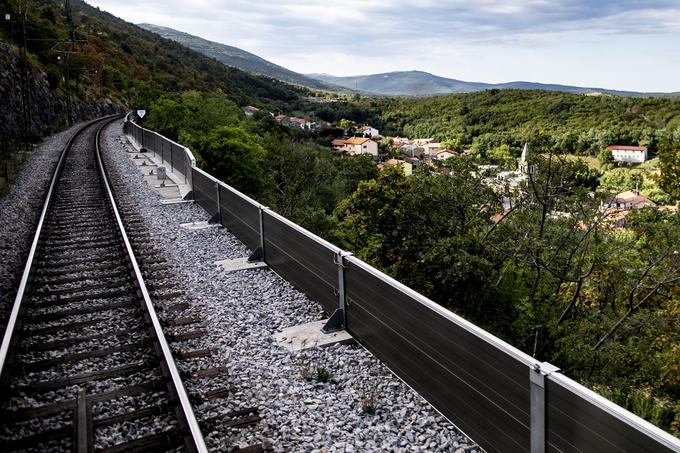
84, 365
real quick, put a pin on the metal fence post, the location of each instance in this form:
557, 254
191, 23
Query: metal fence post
258, 254
338, 319
217, 217
537, 376
172, 160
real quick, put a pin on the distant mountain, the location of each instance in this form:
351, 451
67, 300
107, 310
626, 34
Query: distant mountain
419, 83
235, 57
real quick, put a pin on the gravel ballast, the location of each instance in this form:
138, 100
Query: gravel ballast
20, 210
241, 311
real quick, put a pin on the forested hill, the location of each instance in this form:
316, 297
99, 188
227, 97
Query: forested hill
419, 83
118, 60
237, 58
578, 124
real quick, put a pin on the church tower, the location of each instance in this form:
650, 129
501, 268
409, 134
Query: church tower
523, 164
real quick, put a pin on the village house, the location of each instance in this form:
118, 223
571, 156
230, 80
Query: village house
445, 154
628, 154
411, 150
618, 208
431, 148
356, 145
628, 200
249, 110
368, 131
398, 141
405, 167
413, 161
291, 121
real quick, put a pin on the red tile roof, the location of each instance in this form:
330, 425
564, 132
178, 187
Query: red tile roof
628, 148
356, 140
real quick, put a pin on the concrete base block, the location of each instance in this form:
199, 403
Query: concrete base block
239, 264
199, 225
176, 201
305, 336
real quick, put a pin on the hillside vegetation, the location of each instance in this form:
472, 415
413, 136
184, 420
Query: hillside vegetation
120, 61
419, 83
235, 57
577, 124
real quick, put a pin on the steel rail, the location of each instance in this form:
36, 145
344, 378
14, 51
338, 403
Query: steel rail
16, 308
178, 386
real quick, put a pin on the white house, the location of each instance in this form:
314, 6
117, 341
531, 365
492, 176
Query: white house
368, 131
633, 154
356, 145
431, 148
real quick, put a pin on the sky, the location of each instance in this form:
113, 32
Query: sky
616, 44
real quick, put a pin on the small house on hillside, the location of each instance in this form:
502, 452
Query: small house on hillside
368, 131
356, 145
249, 110
445, 154
618, 208
405, 167
291, 121
628, 200
431, 148
631, 154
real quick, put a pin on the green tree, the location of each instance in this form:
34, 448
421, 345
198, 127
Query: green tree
502, 156
605, 158
167, 117
669, 163
233, 156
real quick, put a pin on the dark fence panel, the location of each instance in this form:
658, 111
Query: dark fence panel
240, 215
205, 192
302, 259
480, 387
178, 160
577, 423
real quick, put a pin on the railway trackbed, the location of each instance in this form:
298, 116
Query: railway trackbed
84, 362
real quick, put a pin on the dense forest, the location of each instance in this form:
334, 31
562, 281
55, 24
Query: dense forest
577, 124
550, 274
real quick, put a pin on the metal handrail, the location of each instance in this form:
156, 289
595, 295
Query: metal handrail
189, 155
178, 386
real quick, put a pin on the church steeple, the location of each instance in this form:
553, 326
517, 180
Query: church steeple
523, 162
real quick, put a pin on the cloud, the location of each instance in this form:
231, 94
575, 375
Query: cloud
353, 36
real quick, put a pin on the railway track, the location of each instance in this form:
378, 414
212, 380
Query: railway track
84, 365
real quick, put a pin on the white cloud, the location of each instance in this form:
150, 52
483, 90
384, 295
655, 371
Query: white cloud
561, 41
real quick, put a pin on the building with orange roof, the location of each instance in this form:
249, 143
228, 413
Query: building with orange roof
630, 200
355, 146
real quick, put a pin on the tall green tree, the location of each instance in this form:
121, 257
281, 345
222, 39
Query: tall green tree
669, 164
233, 156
